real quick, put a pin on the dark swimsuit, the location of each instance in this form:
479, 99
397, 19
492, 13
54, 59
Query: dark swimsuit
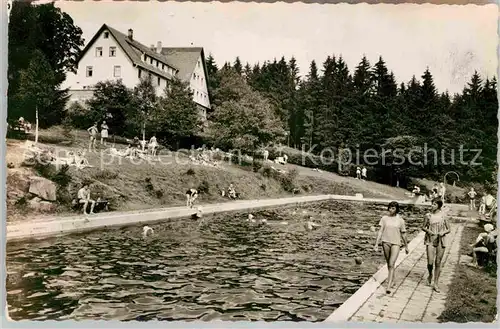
191, 192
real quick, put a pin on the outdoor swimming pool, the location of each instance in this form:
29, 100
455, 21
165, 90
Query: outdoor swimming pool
224, 269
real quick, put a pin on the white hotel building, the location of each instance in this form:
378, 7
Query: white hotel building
112, 55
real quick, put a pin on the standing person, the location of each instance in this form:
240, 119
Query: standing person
191, 196
104, 133
436, 228
442, 191
93, 131
392, 232
364, 174
472, 197
266, 155
152, 145
358, 173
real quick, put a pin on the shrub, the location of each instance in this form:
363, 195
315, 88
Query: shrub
105, 174
257, 164
62, 178
204, 187
190, 172
266, 171
149, 184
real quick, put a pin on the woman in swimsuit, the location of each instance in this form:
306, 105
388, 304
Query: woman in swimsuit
436, 228
392, 232
104, 133
191, 196
93, 131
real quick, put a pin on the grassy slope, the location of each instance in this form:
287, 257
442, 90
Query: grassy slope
124, 184
473, 293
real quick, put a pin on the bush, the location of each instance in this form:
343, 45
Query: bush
190, 172
288, 180
266, 171
105, 175
80, 117
62, 178
204, 187
257, 164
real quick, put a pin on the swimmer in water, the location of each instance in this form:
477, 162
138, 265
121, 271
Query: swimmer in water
146, 231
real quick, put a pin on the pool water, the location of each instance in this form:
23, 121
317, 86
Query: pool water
225, 268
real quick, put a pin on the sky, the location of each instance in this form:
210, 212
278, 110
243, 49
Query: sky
451, 40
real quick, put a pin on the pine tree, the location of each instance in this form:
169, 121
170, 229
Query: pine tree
237, 66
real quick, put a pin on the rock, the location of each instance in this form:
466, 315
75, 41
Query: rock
373, 228
358, 260
43, 188
39, 205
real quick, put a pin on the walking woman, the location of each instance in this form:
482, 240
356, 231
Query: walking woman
436, 228
392, 232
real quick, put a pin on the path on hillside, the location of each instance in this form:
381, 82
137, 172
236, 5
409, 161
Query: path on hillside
413, 300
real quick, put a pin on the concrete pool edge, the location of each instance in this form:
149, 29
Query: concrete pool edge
353, 303
53, 226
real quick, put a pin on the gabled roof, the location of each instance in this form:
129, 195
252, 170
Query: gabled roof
134, 50
184, 59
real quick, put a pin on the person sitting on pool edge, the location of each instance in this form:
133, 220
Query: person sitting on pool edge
191, 196
83, 197
392, 232
484, 245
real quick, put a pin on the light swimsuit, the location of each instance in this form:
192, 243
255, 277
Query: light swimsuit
437, 225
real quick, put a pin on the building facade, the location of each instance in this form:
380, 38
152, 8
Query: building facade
112, 55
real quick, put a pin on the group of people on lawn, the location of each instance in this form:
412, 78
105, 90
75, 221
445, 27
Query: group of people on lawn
134, 147
192, 194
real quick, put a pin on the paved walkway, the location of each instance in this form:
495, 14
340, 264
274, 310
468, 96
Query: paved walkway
413, 300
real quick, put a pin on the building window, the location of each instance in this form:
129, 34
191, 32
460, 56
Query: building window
89, 71
198, 63
151, 60
139, 74
202, 80
159, 81
98, 52
163, 67
157, 64
117, 72
145, 58
112, 51
106, 35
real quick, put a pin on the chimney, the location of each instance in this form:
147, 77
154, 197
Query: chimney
152, 47
130, 34
158, 47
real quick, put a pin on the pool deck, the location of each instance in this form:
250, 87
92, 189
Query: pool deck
412, 300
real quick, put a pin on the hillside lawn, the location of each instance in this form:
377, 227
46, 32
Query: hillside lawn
132, 185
